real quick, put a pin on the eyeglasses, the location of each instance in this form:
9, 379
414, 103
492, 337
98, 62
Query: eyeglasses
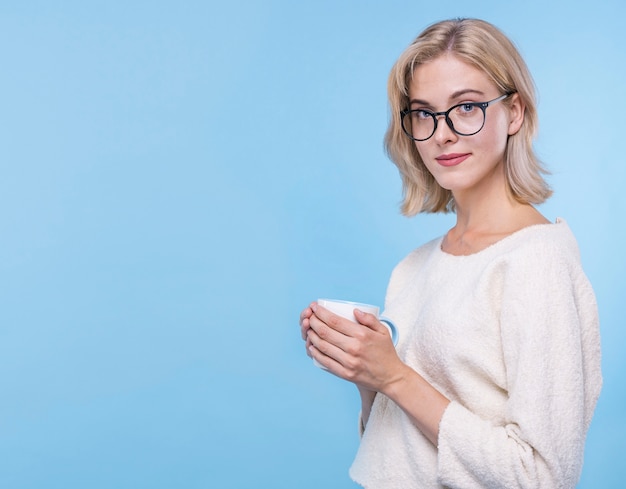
464, 119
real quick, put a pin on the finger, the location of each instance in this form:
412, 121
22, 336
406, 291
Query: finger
324, 352
333, 321
333, 331
304, 321
304, 328
332, 358
305, 314
327, 363
371, 321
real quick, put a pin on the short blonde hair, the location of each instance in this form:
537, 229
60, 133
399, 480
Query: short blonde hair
485, 47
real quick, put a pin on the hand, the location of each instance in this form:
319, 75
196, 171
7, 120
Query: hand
305, 325
361, 353
364, 354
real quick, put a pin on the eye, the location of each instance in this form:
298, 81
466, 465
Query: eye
466, 109
420, 115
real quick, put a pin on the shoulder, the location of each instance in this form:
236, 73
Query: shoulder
422, 253
543, 262
418, 257
413, 263
540, 246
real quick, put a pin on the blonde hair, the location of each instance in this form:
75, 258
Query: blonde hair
485, 47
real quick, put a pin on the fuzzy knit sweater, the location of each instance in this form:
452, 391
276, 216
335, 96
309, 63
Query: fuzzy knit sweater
510, 335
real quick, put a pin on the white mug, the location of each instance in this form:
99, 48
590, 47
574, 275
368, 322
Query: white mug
346, 309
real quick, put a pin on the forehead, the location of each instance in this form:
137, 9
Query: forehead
439, 79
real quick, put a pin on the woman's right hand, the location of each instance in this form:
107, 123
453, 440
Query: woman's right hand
367, 395
305, 326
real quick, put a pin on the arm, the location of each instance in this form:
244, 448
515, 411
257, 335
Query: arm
363, 354
367, 395
367, 401
548, 325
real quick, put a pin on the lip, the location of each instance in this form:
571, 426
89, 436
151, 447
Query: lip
452, 159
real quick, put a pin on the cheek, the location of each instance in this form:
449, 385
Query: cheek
420, 149
492, 138
425, 154
498, 132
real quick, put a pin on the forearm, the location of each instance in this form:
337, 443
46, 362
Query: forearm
367, 400
423, 403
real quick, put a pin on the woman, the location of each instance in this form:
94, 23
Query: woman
497, 372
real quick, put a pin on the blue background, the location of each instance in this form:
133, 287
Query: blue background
178, 179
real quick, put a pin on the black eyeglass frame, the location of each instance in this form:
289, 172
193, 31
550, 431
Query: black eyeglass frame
435, 115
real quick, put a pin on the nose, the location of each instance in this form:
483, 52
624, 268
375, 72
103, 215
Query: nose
444, 132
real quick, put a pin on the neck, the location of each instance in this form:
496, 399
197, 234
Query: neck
485, 216
486, 213
486, 207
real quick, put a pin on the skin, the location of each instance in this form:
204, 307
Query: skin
485, 211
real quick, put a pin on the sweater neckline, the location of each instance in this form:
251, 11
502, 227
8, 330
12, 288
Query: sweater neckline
501, 242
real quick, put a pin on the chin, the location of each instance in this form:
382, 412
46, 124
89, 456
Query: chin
451, 185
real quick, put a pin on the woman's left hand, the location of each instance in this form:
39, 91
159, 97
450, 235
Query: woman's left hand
360, 353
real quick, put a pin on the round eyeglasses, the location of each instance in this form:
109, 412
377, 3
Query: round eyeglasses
464, 119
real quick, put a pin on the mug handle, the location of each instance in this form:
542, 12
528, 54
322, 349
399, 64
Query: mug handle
391, 327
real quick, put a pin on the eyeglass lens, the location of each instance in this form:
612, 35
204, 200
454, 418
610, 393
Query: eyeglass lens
465, 119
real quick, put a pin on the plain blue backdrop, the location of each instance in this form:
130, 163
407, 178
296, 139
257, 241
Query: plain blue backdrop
178, 179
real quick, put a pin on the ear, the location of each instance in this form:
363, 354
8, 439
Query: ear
517, 109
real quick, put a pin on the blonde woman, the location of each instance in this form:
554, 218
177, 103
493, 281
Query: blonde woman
496, 374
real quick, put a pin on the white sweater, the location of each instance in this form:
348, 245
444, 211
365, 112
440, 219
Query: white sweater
510, 335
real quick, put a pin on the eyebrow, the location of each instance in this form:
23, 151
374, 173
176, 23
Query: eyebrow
456, 94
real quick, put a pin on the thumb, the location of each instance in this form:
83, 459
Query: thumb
370, 321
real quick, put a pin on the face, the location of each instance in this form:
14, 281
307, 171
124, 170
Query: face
463, 163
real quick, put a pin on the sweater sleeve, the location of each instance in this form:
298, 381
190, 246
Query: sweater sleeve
550, 344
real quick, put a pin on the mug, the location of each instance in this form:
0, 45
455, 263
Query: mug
346, 309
